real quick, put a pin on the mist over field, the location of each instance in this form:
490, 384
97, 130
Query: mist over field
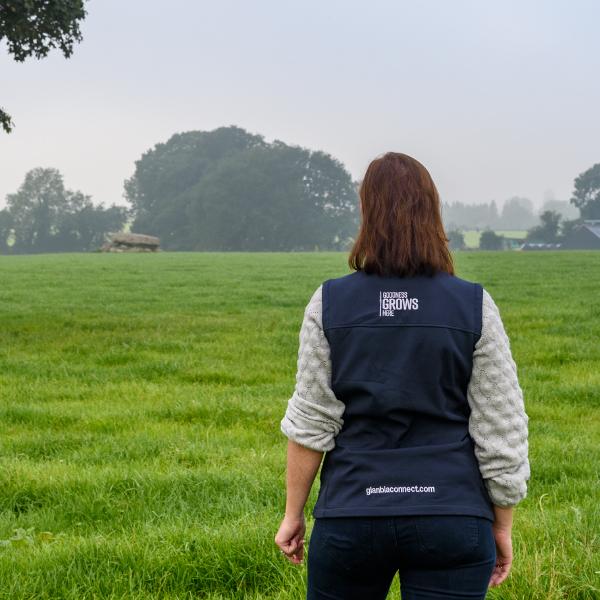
496, 100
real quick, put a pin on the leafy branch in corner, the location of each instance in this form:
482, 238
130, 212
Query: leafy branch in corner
34, 27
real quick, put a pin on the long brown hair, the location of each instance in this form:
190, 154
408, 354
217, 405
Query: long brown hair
401, 231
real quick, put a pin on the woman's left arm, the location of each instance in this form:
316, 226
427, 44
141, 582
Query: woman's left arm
312, 420
302, 466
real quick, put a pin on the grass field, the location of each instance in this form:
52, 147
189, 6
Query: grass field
140, 400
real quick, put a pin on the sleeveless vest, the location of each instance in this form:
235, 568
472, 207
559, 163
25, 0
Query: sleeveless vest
401, 360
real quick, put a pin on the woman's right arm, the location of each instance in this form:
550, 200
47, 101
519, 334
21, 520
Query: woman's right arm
499, 427
498, 423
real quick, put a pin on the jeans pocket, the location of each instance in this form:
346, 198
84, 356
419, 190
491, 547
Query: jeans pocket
345, 541
449, 538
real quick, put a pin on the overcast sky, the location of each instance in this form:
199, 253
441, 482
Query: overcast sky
496, 99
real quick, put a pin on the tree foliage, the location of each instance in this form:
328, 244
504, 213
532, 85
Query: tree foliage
568, 226
456, 239
43, 216
489, 240
586, 196
230, 190
458, 215
548, 229
34, 27
516, 213
6, 222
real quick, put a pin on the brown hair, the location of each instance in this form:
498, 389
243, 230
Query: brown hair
401, 231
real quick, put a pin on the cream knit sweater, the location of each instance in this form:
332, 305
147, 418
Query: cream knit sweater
498, 423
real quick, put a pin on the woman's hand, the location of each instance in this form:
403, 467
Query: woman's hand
290, 538
504, 556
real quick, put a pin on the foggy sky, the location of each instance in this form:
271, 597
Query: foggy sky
495, 99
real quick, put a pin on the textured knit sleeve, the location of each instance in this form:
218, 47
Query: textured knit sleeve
314, 415
498, 423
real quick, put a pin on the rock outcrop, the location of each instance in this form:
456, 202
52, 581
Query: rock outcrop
131, 242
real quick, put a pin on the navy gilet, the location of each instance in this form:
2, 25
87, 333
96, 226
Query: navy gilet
401, 360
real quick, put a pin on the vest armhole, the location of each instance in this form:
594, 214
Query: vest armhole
325, 304
478, 312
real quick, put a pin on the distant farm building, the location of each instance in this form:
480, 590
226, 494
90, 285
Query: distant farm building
512, 243
584, 237
541, 246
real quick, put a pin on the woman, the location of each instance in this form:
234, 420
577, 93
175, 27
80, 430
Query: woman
406, 381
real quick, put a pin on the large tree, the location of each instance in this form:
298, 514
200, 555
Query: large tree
548, 229
6, 223
456, 239
517, 213
229, 190
34, 27
458, 215
490, 240
586, 196
43, 216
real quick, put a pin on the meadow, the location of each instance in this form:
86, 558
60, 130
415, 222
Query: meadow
140, 401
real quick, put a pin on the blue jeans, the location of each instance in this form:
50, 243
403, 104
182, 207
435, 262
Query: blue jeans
437, 556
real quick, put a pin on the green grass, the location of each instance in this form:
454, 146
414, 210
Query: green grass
520, 234
140, 400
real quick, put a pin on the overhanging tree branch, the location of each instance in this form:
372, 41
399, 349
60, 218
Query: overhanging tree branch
34, 27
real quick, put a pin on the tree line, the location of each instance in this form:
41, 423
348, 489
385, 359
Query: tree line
44, 216
515, 213
552, 228
228, 189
